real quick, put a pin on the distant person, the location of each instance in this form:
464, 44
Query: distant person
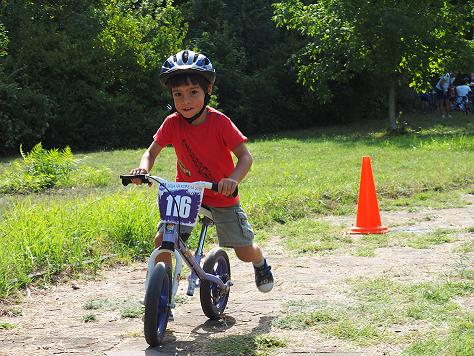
426, 100
462, 94
442, 95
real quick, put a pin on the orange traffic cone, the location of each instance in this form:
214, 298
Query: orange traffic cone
368, 216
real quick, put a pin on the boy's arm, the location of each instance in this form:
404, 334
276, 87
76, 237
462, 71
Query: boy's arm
148, 159
244, 161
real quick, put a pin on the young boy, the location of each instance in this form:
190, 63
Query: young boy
203, 139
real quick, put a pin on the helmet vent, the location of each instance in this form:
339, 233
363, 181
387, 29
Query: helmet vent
185, 56
196, 56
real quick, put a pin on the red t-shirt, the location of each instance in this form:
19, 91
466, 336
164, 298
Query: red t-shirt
203, 152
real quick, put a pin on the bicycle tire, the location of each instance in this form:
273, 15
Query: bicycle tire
213, 301
157, 301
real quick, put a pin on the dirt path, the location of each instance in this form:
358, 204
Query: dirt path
52, 320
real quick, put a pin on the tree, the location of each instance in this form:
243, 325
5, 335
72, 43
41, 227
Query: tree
254, 85
83, 73
391, 40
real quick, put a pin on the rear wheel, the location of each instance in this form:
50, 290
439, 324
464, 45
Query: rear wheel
157, 301
214, 299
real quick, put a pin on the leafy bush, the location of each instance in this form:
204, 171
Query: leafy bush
39, 169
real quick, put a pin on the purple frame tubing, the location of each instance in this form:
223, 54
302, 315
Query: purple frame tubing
191, 262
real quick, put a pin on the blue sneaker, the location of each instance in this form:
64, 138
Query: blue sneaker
264, 278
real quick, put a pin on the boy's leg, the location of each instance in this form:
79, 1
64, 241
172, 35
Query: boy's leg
234, 230
162, 257
263, 273
251, 253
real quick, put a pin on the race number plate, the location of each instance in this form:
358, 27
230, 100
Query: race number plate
179, 203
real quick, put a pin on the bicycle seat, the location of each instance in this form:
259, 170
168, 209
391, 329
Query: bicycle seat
206, 212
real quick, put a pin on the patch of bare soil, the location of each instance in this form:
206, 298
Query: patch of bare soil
52, 320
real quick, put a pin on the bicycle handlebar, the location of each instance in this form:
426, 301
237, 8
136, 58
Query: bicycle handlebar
145, 178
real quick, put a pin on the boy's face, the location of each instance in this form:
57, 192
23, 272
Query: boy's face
188, 99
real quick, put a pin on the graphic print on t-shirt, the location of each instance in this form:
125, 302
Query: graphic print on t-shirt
183, 168
201, 168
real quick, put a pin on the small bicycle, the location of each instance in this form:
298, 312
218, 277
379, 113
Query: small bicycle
180, 204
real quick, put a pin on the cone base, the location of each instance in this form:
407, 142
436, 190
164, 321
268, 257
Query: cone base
369, 230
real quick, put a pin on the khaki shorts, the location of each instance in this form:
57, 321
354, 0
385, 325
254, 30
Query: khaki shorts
232, 227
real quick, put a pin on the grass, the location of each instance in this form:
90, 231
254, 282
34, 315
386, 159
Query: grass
252, 345
310, 236
127, 309
432, 238
295, 176
132, 311
458, 340
375, 307
6, 326
466, 247
99, 304
89, 318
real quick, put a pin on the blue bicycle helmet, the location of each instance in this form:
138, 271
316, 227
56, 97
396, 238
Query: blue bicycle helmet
188, 62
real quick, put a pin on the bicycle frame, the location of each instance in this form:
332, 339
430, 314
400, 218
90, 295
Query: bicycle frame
175, 245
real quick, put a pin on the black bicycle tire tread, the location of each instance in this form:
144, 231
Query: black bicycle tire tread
207, 306
153, 291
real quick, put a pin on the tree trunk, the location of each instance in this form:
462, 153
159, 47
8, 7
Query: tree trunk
391, 104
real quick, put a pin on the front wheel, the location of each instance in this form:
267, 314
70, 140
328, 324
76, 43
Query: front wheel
213, 298
157, 301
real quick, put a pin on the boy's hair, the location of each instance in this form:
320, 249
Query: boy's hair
187, 78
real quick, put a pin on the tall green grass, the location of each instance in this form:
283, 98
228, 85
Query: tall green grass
46, 235
295, 175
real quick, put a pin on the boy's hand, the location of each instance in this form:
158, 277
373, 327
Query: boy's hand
138, 171
227, 186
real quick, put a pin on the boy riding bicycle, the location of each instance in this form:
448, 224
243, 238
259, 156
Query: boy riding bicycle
203, 139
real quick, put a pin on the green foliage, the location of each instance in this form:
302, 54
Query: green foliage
359, 49
39, 169
91, 80
255, 87
25, 113
390, 39
3, 40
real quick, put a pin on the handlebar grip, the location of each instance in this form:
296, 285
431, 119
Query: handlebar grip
216, 189
236, 192
127, 178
